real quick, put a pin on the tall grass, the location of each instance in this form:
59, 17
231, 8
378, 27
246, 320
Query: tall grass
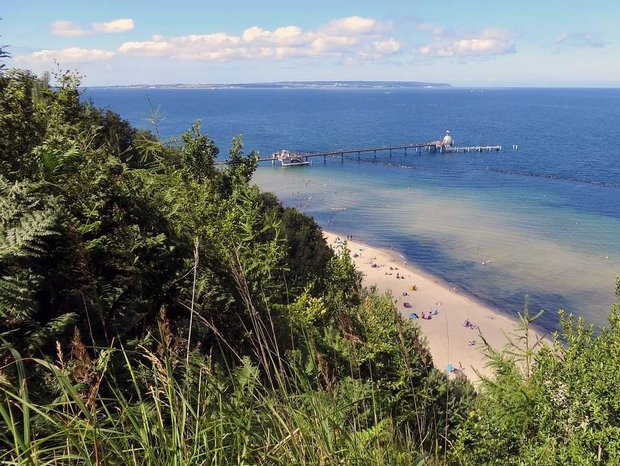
162, 403
172, 412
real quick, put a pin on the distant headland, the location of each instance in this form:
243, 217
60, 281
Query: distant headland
296, 85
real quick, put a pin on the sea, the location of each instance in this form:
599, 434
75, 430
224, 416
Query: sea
538, 225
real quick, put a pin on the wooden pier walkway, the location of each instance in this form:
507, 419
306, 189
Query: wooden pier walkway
416, 147
444, 145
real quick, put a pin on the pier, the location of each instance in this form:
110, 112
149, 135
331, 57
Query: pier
444, 145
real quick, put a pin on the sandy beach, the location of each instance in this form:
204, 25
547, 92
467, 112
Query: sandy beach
455, 319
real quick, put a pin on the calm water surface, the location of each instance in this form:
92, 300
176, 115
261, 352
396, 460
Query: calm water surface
543, 221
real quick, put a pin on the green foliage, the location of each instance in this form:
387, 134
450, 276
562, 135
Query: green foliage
240, 167
564, 408
125, 215
308, 309
198, 154
28, 219
22, 123
308, 255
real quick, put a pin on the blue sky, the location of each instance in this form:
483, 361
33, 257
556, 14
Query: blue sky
464, 43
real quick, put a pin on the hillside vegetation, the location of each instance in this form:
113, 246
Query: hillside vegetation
158, 309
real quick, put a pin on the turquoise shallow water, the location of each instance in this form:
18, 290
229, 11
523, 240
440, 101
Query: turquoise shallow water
498, 245
543, 221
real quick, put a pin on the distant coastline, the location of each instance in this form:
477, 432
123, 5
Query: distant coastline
292, 85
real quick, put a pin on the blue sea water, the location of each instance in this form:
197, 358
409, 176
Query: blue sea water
543, 221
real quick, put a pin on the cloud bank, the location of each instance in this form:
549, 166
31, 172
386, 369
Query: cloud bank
353, 37
68, 55
349, 40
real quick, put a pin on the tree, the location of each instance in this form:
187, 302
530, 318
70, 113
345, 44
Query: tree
241, 166
3, 54
198, 153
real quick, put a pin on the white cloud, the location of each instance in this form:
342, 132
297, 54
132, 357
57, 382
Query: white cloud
287, 36
69, 55
324, 43
117, 25
151, 48
354, 36
386, 47
578, 39
67, 29
487, 43
354, 25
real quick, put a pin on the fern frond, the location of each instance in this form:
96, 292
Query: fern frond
17, 298
19, 197
26, 239
53, 328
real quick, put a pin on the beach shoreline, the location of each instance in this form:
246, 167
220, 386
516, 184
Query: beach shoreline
457, 320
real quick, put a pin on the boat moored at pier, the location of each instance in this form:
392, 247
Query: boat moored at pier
289, 159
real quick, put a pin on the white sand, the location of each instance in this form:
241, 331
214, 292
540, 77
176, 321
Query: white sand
449, 340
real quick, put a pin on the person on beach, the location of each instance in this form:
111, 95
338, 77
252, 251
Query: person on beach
469, 324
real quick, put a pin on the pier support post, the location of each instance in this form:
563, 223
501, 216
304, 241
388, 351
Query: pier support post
341, 157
